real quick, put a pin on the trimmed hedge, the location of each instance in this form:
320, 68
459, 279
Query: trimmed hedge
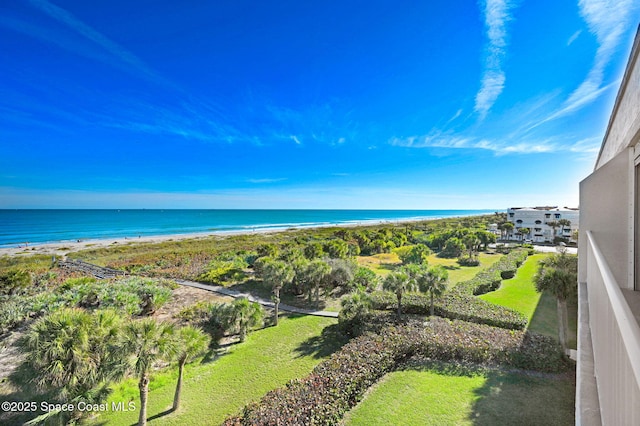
453, 305
337, 384
490, 278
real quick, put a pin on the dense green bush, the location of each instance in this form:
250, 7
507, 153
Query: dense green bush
222, 271
338, 383
453, 306
14, 281
490, 278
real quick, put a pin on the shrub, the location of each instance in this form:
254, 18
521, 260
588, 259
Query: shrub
414, 254
468, 261
338, 383
454, 247
222, 271
453, 306
14, 281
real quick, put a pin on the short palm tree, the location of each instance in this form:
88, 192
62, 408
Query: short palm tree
314, 274
148, 342
558, 275
191, 343
246, 315
433, 280
398, 282
77, 353
277, 273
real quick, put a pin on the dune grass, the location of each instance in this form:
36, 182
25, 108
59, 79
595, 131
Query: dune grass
442, 394
215, 390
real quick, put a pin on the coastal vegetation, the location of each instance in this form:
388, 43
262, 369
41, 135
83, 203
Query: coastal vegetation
439, 277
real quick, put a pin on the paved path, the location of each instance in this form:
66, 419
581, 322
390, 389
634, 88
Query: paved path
260, 300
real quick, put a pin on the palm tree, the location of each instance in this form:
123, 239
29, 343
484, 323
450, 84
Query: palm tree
524, 232
398, 282
507, 227
77, 354
314, 274
246, 315
277, 273
564, 223
148, 341
554, 225
191, 343
558, 275
433, 280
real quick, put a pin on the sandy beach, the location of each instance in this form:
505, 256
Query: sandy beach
62, 248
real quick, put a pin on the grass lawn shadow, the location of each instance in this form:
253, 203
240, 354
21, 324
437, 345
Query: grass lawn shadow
329, 341
523, 399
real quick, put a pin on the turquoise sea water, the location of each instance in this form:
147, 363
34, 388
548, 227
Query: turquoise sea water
18, 227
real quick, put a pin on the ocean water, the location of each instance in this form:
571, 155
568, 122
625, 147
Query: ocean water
18, 227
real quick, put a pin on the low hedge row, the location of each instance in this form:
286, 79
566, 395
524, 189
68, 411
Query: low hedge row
489, 279
453, 305
337, 384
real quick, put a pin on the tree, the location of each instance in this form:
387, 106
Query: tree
313, 275
524, 232
433, 280
452, 248
77, 354
471, 243
148, 341
417, 254
354, 310
246, 315
507, 227
554, 225
564, 223
558, 275
398, 282
485, 238
277, 273
366, 278
336, 249
191, 343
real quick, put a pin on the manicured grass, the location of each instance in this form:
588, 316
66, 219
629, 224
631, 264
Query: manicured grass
215, 390
439, 394
459, 273
383, 263
519, 292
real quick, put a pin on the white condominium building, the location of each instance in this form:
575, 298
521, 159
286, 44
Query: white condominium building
543, 223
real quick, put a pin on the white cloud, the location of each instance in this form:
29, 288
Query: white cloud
607, 20
449, 141
574, 37
496, 14
266, 180
64, 17
295, 139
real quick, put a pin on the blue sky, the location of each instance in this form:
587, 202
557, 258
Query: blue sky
290, 104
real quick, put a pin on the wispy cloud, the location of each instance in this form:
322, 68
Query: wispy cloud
574, 37
451, 141
295, 139
607, 20
496, 15
266, 180
116, 51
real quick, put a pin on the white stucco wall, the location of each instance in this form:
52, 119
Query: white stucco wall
604, 201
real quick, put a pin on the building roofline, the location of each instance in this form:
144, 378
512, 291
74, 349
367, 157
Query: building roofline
633, 56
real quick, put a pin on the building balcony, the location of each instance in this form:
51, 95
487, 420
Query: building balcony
608, 370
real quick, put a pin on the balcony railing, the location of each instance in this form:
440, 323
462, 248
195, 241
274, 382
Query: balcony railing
616, 342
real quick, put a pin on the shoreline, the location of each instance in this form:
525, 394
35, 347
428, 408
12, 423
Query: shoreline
62, 248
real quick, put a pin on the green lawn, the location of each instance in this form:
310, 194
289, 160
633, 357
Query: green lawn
215, 390
519, 292
383, 263
441, 395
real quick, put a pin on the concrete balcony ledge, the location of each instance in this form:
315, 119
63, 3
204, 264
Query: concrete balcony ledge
587, 401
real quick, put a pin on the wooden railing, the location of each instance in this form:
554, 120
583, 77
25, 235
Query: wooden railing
616, 342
